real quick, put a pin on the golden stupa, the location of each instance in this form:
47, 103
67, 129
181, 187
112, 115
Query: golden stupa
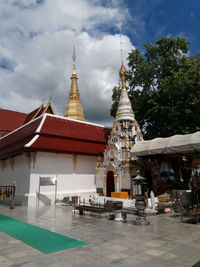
74, 109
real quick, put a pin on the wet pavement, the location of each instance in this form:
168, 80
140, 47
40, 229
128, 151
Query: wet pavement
165, 242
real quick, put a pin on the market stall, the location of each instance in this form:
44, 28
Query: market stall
171, 164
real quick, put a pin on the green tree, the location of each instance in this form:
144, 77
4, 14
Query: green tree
164, 88
115, 99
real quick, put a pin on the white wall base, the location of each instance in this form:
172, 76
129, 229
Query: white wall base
75, 176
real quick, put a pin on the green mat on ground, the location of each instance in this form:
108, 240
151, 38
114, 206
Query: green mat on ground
36, 237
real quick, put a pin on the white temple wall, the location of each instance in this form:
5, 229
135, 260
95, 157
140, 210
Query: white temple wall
16, 169
75, 176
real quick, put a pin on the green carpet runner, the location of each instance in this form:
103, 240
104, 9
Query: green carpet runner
36, 237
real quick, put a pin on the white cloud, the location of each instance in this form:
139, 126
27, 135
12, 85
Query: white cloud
36, 49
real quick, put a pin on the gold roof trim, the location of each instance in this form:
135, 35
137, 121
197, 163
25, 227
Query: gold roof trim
123, 111
48, 109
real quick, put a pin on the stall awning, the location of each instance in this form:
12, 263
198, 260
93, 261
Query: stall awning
169, 145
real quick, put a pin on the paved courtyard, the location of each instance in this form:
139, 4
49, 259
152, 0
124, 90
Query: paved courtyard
165, 242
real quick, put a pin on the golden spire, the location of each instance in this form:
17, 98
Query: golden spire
123, 76
122, 71
74, 109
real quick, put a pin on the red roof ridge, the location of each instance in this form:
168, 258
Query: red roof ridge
69, 119
49, 106
50, 115
41, 110
24, 125
41, 123
33, 114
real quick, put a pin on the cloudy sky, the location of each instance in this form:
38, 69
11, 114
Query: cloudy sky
37, 39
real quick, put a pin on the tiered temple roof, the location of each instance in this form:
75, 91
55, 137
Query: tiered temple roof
11, 120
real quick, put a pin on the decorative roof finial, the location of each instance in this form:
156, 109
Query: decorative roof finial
124, 111
74, 60
74, 55
121, 50
122, 71
123, 75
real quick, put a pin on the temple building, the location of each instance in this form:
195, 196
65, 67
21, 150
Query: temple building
114, 169
48, 156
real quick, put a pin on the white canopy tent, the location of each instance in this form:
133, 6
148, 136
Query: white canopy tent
187, 143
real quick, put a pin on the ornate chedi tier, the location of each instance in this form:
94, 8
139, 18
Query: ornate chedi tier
125, 125
124, 111
114, 170
74, 109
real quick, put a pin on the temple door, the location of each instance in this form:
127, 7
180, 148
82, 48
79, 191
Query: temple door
110, 184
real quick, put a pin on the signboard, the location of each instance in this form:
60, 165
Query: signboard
46, 181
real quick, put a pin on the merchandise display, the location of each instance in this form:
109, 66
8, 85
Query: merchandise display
8, 192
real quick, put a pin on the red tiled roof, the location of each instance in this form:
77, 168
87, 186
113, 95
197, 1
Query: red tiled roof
55, 134
38, 112
31, 115
14, 142
59, 126
10, 120
54, 144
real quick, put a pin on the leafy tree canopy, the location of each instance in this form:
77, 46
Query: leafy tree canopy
164, 88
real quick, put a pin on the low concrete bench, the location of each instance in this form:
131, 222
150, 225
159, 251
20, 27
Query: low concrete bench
92, 209
109, 206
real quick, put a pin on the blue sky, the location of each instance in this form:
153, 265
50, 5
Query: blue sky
154, 19
37, 39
